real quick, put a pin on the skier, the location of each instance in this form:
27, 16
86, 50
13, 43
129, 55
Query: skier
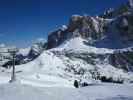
76, 84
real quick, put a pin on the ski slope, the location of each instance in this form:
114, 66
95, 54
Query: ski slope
93, 92
50, 68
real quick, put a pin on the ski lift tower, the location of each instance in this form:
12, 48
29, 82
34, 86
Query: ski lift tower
13, 52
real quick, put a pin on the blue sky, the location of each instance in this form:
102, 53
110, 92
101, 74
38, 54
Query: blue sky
23, 21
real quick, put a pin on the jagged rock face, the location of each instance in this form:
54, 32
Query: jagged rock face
75, 22
57, 37
90, 58
36, 49
83, 26
111, 13
122, 60
119, 59
96, 28
125, 26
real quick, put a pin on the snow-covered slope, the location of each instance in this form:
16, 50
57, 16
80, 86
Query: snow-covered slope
24, 92
72, 60
80, 44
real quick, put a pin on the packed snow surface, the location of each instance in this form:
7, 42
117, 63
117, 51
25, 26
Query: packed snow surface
92, 92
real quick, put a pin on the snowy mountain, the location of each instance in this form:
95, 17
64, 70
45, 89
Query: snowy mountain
101, 44
96, 41
74, 60
23, 55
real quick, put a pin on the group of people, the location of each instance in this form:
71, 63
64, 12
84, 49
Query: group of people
79, 83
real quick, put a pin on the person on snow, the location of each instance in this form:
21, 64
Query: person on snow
76, 84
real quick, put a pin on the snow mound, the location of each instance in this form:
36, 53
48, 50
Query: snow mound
24, 51
47, 62
78, 44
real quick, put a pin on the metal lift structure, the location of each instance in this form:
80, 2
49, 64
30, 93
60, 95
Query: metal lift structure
12, 51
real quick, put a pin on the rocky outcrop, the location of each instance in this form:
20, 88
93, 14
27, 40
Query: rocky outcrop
124, 26
124, 8
36, 49
83, 26
117, 21
122, 59
57, 37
